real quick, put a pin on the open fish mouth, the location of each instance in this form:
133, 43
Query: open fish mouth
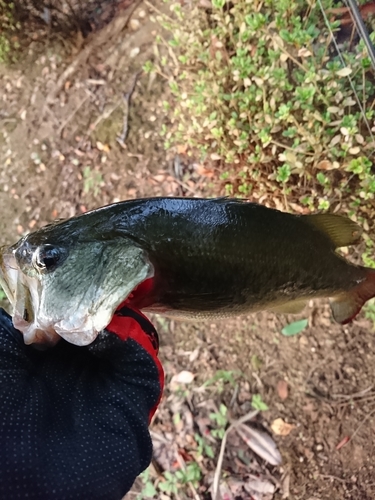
23, 293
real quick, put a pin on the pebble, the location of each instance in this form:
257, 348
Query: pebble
134, 24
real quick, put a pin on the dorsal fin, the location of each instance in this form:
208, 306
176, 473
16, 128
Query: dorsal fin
340, 230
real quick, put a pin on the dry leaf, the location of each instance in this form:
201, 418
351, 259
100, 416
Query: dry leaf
183, 377
215, 156
344, 72
202, 170
281, 428
181, 149
260, 442
282, 389
304, 52
324, 165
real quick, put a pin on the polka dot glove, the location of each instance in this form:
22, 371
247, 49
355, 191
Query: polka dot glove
74, 420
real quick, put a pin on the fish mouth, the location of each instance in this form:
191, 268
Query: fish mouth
23, 293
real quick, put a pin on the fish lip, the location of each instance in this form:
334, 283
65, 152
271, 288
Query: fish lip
8, 273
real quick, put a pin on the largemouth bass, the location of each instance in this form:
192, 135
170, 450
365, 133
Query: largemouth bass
187, 257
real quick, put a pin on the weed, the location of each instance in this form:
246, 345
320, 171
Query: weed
171, 482
221, 378
204, 449
148, 490
258, 89
257, 403
91, 181
220, 419
9, 25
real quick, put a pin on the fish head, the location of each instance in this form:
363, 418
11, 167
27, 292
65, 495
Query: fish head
69, 289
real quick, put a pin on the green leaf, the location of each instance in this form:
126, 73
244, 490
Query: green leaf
295, 327
257, 403
149, 490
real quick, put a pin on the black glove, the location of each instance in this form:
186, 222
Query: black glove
74, 420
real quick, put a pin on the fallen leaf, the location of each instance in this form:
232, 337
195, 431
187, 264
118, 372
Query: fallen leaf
295, 327
181, 149
344, 72
183, 377
260, 442
324, 165
282, 389
281, 428
215, 156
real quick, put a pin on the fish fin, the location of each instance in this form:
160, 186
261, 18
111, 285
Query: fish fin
340, 230
346, 306
292, 307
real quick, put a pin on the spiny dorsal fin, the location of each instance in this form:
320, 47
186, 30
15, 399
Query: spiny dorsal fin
340, 230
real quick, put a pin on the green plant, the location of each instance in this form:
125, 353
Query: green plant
204, 449
91, 181
148, 490
9, 26
220, 420
257, 403
258, 90
171, 482
221, 378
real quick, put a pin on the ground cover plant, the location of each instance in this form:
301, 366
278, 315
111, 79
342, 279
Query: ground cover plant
259, 88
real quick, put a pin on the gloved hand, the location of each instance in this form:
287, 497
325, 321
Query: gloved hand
74, 420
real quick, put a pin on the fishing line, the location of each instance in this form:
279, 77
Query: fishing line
344, 66
361, 28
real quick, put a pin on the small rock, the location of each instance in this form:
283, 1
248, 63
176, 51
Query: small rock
134, 24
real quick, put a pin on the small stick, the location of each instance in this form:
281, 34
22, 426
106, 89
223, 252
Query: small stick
126, 98
216, 481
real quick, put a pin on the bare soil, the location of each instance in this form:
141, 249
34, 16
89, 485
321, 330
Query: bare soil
62, 157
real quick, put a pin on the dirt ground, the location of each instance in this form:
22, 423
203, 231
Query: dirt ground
60, 156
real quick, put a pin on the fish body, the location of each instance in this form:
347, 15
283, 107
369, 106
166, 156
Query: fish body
179, 256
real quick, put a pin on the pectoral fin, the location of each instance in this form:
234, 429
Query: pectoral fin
341, 231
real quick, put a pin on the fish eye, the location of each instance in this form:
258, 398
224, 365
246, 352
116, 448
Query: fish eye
46, 257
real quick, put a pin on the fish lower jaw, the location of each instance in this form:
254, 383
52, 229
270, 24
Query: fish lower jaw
34, 335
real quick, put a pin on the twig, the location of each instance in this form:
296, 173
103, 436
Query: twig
65, 123
219, 465
354, 395
335, 478
361, 424
126, 99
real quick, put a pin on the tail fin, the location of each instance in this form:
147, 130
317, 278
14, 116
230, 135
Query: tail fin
346, 306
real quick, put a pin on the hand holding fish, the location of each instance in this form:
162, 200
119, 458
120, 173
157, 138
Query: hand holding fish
75, 419
191, 258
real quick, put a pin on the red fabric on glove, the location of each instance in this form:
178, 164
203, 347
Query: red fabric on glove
128, 323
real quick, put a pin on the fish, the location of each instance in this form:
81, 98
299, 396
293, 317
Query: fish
184, 257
